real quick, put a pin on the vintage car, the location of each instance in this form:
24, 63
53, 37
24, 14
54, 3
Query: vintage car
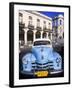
41, 60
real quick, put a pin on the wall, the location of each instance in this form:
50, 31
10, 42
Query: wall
4, 44
34, 19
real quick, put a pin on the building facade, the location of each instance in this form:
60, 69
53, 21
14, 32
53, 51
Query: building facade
58, 27
33, 25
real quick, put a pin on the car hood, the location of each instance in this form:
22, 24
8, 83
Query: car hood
43, 53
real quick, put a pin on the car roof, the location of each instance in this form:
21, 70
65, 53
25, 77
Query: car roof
43, 39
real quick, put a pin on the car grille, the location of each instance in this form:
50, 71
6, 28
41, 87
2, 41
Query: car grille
34, 66
45, 66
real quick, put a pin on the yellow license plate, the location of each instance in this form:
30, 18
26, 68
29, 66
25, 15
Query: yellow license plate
41, 73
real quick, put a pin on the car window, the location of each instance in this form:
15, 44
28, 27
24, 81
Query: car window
41, 43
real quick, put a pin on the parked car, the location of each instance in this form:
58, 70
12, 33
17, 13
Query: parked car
42, 60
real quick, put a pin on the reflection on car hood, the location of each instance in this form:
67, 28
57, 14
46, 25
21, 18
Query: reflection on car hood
43, 53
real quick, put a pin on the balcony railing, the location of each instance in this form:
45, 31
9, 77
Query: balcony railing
38, 28
21, 25
44, 28
48, 30
31, 27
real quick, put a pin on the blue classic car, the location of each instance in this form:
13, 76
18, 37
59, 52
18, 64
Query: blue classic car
42, 59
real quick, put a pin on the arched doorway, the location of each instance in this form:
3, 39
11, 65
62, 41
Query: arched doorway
44, 34
21, 35
30, 36
38, 34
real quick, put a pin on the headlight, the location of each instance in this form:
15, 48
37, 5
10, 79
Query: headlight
58, 60
24, 61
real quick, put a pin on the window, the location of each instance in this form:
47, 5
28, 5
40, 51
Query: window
60, 22
60, 37
41, 43
20, 17
30, 17
38, 22
49, 24
30, 20
45, 22
44, 26
20, 14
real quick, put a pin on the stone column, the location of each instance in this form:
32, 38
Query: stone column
47, 35
25, 36
34, 35
41, 34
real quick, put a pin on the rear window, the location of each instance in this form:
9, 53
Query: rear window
41, 43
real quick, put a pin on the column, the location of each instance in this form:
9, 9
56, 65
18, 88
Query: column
25, 36
34, 35
41, 34
47, 35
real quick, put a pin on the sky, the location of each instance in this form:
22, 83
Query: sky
51, 14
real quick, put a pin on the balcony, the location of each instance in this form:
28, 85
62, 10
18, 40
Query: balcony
31, 27
38, 28
21, 25
45, 28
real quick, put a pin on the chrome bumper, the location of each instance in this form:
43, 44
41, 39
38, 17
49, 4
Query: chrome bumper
56, 71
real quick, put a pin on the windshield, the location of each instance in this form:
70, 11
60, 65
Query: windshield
41, 43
